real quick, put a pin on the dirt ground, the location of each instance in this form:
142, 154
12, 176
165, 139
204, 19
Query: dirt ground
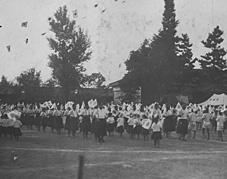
47, 155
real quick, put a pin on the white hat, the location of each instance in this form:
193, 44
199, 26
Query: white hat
178, 107
83, 105
69, 104
54, 106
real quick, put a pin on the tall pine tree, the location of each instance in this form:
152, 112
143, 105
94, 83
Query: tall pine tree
154, 66
214, 59
163, 61
213, 63
184, 51
169, 24
187, 74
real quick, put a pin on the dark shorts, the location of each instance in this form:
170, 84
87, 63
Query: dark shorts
110, 127
156, 135
145, 131
120, 129
182, 126
17, 132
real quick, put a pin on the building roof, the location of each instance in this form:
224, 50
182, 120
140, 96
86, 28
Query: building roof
115, 84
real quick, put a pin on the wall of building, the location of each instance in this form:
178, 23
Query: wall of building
120, 96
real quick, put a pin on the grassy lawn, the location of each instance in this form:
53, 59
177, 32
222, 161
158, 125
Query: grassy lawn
47, 155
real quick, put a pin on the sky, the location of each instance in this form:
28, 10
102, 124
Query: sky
113, 34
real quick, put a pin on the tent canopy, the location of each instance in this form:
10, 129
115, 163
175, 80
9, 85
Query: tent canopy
216, 100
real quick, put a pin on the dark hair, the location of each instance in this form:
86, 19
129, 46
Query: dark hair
174, 111
134, 107
156, 105
219, 112
86, 107
155, 120
141, 108
4, 116
206, 110
144, 116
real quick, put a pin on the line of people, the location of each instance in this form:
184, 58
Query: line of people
135, 119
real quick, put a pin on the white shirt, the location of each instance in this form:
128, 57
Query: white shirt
130, 121
192, 117
156, 127
17, 124
10, 122
110, 120
4, 122
120, 122
102, 113
220, 122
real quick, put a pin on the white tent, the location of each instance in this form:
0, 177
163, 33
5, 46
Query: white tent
216, 100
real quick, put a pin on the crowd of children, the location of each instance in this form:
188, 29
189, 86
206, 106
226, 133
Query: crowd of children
135, 119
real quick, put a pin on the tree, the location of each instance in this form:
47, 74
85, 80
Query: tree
29, 78
50, 83
70, 48
213, 63
154, 66
214, 59
169, 23
7, 90
184, 51
4, 82
186, 72
137, 68
95, 80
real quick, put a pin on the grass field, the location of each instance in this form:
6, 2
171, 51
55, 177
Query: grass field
47, 155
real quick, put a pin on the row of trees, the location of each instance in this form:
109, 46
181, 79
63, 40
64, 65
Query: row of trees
165, 63
32, 78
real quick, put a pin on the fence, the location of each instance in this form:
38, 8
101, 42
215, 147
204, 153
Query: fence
41, 94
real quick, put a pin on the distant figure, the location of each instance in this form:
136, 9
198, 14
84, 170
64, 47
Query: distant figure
206, 124
16, 129
110, 123
120, 124
101, 124
182, 125
146, 125
137, 127
169, 123
156, 129
192, 124
220, 125
85, 124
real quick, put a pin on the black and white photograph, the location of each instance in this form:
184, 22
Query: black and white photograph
113, 89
